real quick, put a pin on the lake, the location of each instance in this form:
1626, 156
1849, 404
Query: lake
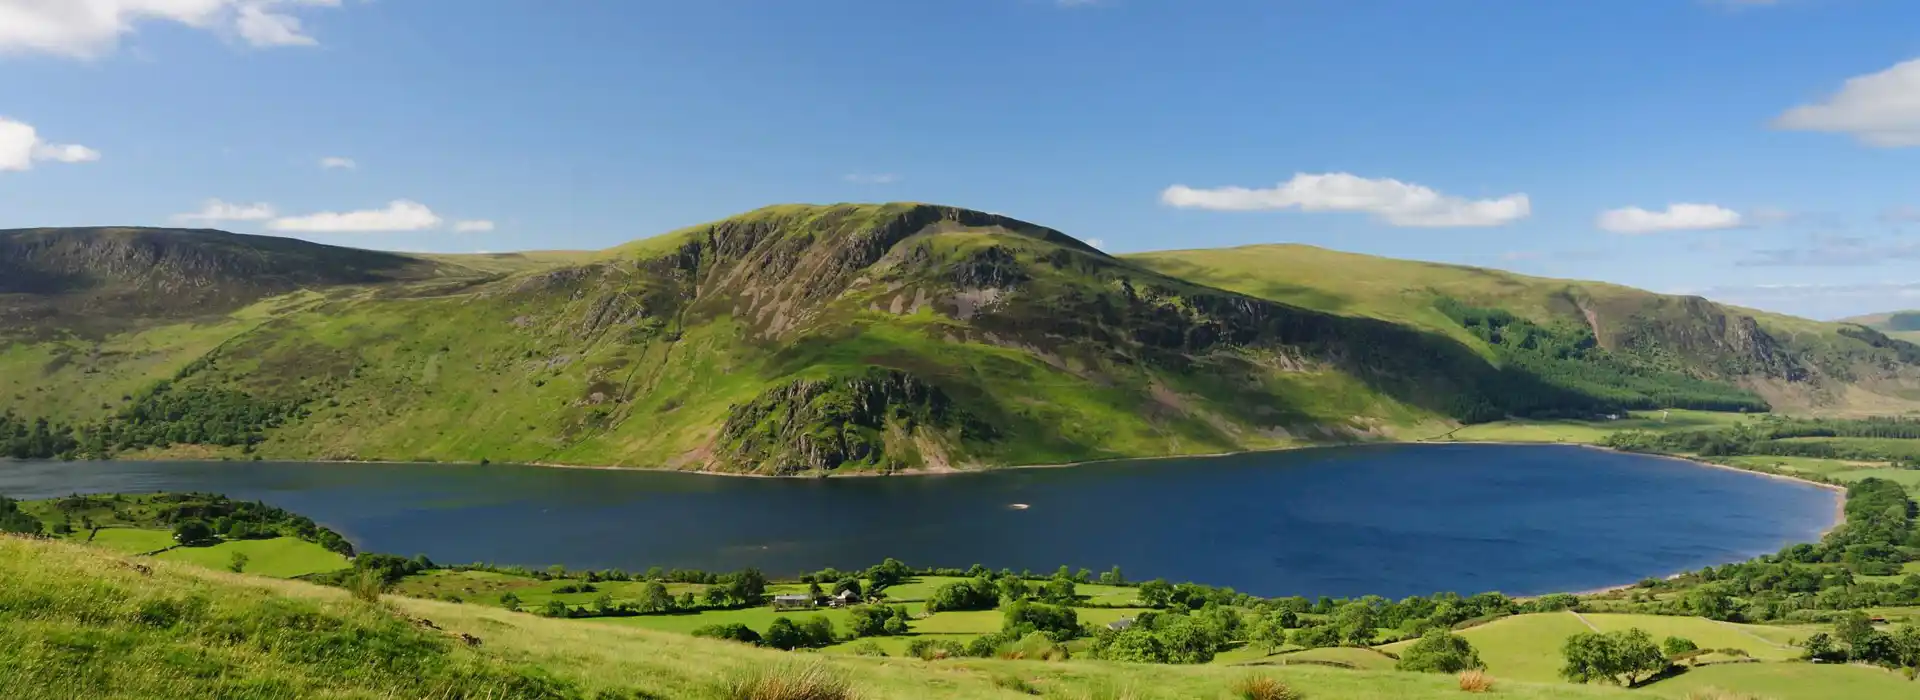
1388, 520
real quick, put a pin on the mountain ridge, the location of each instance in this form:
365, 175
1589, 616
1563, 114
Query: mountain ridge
877, 338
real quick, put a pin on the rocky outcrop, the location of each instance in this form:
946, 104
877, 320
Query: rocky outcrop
828, 424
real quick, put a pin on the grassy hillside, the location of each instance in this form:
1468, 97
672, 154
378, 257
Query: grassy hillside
1790, 363
78, 622
1904, 325
813, 339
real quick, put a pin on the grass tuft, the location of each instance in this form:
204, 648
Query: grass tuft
1264, 688
1015, 684
789, 681
1476, 681
367, 586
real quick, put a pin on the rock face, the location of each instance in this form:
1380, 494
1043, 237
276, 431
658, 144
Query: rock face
828, 424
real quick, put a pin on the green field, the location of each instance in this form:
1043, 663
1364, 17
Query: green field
1793, 681
280, 557
1521, 647
95, 596
1759, 641
1589, 432
129, 540
1362, 659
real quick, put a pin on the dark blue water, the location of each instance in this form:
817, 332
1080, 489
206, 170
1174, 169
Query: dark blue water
1388, 520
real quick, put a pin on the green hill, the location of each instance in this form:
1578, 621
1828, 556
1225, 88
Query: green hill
1904, 325
811, 339
1789, 363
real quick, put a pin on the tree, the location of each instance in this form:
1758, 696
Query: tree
1156, 593
813, 590
891, 572
1269, 632
604, 604
972, 594
1440, 651
1187, 640
192, 532
715, 596
1711, 602
654, 598
731, 631
238, 563
1316, 636
510, 601
1013, 588
556, 608
849, 584
1819, 647
868, 620
1135, 644
748, 586
1906, 645
817, 631
1022, 618
897, 624
1675, 646
1356, 622
1113, 577
1059, 591
783, 634
1625, 658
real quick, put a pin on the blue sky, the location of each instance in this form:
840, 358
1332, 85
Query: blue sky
1490, 132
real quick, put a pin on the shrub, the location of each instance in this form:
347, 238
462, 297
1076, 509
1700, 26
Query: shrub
734, 632
788, 682
1264, 688
935, 649
868, 648
1476, 681
367, 586
1675, 646
1015, 684
1440, 651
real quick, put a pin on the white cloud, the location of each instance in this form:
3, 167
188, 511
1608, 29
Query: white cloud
399, 215
87, 28
217, 210
1392, 201
337, 162
1881, 109
871, 178
21, 147
472, 226
1096, 243
1677, 217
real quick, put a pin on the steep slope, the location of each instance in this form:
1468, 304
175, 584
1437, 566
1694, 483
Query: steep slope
797, 339
1791, 363
816, 339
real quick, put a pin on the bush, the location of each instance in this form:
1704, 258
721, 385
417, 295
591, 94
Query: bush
788, 682
1475, 681
734, 632
869, 648
367, 586
1440, 651
935, 649
1264, 688
1675, 646
1015, 684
